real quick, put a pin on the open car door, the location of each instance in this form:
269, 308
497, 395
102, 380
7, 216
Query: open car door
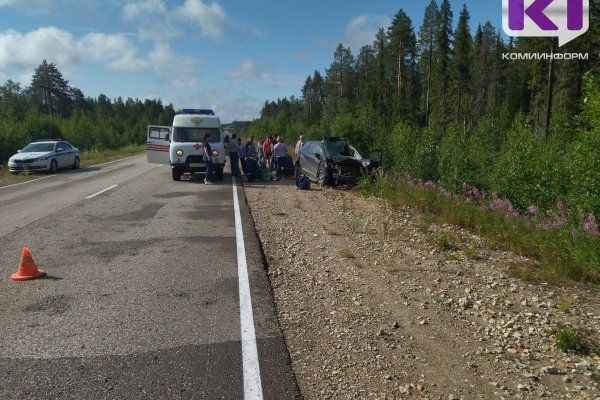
157, 144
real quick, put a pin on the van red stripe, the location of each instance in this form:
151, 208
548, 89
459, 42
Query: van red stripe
157, 147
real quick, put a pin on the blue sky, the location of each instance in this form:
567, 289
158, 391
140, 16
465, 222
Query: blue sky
231, 55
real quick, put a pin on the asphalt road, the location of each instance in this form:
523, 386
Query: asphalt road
142, 297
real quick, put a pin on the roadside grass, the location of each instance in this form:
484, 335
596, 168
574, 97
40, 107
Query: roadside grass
564, 251
566, 304
470, 252
88, 158
330, 230
347, 254
569, 340
95, 156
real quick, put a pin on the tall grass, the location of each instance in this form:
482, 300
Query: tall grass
566, 245
95, 156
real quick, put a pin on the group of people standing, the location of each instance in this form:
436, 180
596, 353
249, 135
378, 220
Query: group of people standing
265, 153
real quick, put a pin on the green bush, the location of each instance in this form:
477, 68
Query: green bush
453, 163
527, 169
568, 340
424, 163
484, 145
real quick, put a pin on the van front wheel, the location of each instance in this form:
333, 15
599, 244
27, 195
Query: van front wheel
176, 174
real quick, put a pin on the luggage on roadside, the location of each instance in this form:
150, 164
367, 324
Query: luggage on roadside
303, 182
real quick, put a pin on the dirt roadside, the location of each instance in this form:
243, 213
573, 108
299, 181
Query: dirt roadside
373, 307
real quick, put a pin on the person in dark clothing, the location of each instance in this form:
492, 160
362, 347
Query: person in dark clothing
208, 159
234, 156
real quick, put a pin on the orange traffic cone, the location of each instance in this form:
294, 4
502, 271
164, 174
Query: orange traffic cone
27, 269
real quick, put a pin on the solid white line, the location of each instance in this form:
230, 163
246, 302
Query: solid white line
22, 183
102, 191
251, 371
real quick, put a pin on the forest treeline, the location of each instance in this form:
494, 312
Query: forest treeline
50, 108
447, 104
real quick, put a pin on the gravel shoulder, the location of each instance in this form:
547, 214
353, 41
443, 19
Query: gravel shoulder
372, 306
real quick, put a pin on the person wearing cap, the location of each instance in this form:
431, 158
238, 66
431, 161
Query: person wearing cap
299, 144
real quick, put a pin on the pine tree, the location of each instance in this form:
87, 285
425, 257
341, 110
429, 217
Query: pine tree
444, 57
366, 94
427, 47
49, 91
402, 64
340, 79
462, 65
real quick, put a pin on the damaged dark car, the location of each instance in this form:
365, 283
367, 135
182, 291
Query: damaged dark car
333, 162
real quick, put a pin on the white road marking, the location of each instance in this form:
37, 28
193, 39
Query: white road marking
22, 183
50, 176
251, 370
102, 191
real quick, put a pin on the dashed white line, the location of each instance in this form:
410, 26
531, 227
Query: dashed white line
251, 370
102, 191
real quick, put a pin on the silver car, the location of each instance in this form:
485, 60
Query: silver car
45, 155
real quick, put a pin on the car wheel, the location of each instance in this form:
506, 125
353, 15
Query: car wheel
53, 167
76, 163
297, 171
176, 174
323, 177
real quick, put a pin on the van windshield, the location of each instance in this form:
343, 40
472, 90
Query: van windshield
182, 135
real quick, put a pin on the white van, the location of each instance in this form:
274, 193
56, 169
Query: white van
180, 145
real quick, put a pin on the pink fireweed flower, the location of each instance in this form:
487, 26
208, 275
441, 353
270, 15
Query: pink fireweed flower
532, 209
591, 226
498, 204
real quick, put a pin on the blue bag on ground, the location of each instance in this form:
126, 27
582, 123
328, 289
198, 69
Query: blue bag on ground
303, 183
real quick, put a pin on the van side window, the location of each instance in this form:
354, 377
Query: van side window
158, 133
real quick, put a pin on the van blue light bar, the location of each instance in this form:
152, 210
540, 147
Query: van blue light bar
197, 111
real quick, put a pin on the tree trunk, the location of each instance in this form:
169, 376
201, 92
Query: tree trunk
550, 88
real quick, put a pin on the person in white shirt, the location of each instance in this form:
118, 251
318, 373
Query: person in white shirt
299, 144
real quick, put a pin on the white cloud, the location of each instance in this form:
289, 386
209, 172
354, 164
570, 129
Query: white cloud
210, 18
361, 30
139, 9
114, 50
249, 70
23, 52
151, 19
178, 71
50, 43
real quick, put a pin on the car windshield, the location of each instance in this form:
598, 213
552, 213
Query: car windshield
340, 148
38, 147
182, 135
